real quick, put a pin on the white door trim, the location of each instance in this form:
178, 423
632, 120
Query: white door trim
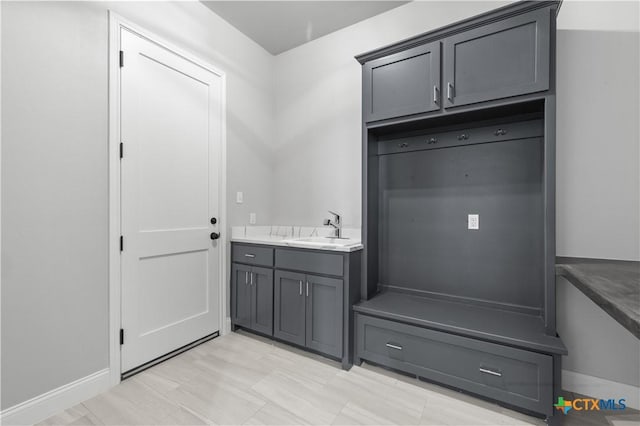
116, 23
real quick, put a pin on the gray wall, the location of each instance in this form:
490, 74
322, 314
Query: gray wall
318, 110
54, 172
318, 114
598, 189
598, 345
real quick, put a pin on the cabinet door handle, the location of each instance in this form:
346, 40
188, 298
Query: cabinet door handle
493, 373
307, 288
246, 277
251, 277
450, 91
300, 287
435, 94
392, 346
250, 255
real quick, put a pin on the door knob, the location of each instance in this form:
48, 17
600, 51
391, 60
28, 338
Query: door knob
215, 235
214, 220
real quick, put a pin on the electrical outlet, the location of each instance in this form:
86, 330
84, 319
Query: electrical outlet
252, 218
239, 197
473, 221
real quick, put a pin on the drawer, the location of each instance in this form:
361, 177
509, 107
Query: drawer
252, 254
496, 133
517, 377
309, 261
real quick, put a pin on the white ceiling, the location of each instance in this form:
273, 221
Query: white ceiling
282, 25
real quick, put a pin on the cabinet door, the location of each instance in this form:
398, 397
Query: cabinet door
289, 307
499, 60
241, 295
324, 314
262, 300
404, 83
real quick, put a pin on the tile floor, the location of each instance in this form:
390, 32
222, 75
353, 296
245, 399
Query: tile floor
242, 379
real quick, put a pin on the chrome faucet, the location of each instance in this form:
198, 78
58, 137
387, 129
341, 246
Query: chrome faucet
336, 223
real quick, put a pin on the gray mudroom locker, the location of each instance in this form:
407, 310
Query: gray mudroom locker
459, 207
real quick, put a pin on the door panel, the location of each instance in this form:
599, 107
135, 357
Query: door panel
176, 303
172, 139
289, 307
403, 83
324, 314
241, 295
262, 300
171, 128
504, 59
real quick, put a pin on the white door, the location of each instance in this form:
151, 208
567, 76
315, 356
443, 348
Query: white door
171, 129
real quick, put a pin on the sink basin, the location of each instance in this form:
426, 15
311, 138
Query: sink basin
322, 242
332, 240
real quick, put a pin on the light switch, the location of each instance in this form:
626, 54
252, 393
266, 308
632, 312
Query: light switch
473, 221
252, 218
239, 197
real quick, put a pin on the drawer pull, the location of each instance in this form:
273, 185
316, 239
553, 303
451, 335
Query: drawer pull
500, 132
392, 346
463, 137
403, 145
250, 255
432, 141
493, 373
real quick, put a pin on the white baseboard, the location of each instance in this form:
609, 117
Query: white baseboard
600, 388
57, 400
227, 326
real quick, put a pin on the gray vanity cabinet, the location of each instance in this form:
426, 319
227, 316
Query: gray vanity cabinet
498, 60
324, 315
241, 295
262, 300
289, 307
308, 311
403, 83
252, 298
297, 295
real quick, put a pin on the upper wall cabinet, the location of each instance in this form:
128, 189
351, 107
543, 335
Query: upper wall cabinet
403, 83
499, 60
479, 61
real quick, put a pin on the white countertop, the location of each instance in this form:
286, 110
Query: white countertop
295, 236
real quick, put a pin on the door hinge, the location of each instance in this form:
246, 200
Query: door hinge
122, 336
121, 149
121, 59
121, 243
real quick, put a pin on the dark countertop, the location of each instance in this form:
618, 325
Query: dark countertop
614, 285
